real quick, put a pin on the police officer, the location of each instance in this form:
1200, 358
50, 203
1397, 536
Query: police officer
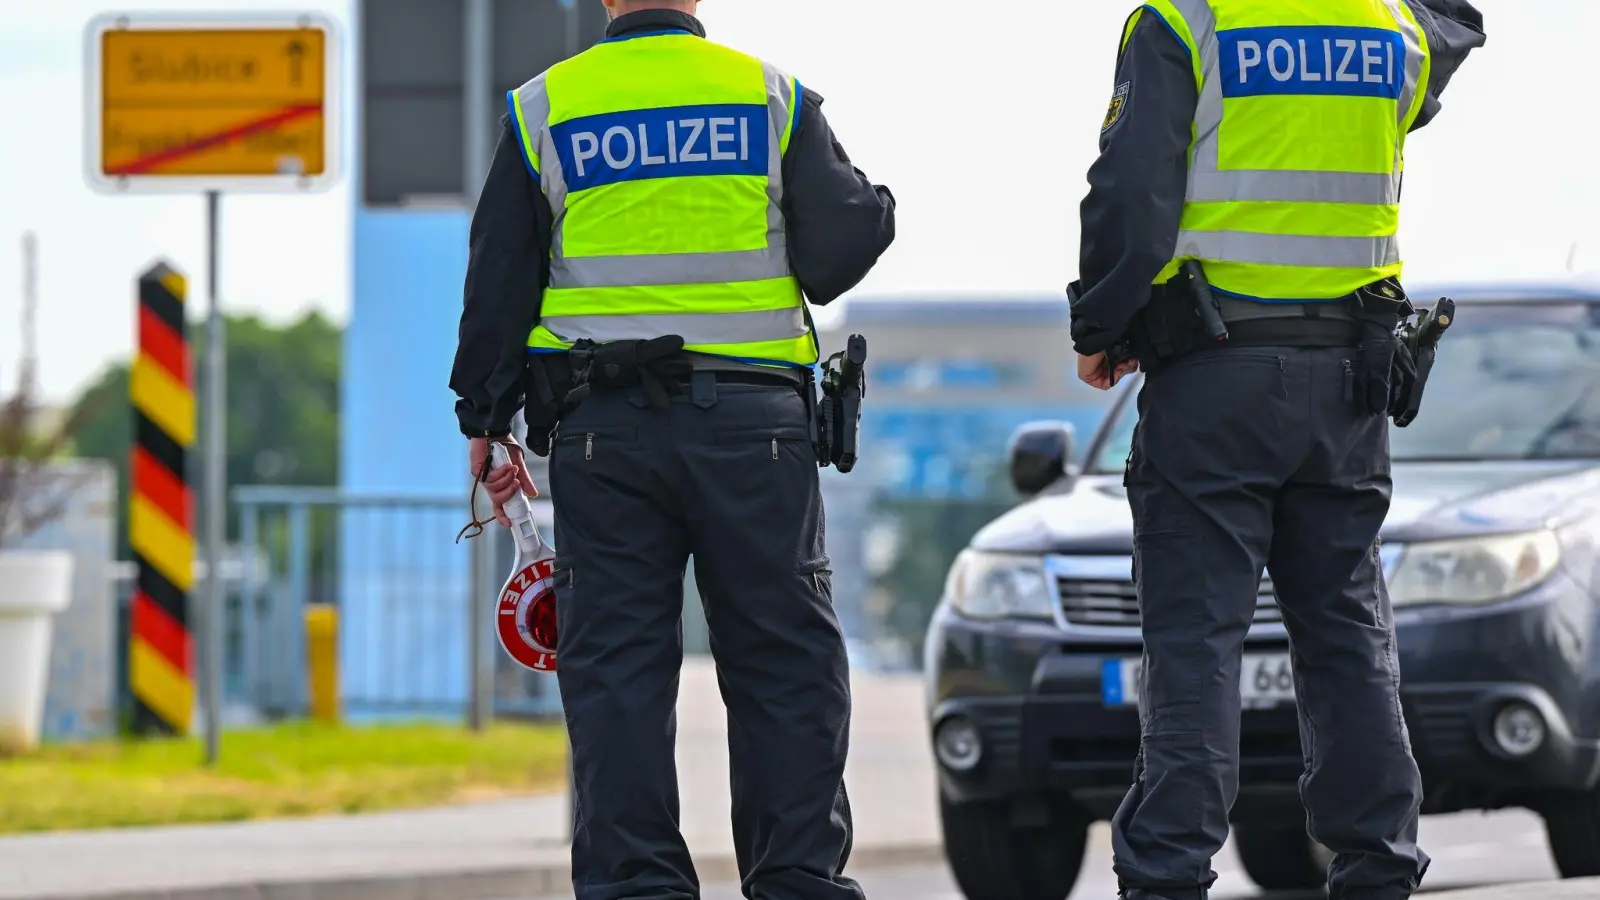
1263, 139
657, 212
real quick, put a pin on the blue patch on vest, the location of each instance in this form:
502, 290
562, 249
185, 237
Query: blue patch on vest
670, 142
1316, 60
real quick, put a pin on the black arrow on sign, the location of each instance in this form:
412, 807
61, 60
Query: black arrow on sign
297, 52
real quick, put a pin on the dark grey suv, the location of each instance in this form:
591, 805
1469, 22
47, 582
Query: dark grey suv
1492, 551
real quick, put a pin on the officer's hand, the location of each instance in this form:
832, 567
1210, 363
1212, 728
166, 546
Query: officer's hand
1093, 371
504, 482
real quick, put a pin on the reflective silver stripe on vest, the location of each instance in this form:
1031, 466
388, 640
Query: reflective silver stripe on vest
1414, 53
1202, 23
1210, 184
702, 328
534, 102
1289, 249
780, 107
769, 262
670, 268
534, 99
1288, 186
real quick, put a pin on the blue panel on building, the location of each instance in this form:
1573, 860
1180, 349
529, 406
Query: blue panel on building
400, 433
403, 640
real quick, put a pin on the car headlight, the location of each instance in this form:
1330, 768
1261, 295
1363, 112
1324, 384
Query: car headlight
1473, 570
997, 585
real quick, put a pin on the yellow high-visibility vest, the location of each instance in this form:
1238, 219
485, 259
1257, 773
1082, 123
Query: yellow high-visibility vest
1298, 145
661, 156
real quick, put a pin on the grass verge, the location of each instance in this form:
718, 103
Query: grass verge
298, 769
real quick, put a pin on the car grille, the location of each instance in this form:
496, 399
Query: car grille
1114, 603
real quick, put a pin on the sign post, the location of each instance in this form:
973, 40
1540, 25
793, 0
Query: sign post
202, 106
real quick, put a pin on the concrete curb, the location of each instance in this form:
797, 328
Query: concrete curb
537, 880
1570, 889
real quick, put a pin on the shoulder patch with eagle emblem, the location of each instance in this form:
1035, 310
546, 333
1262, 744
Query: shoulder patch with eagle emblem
1119, 102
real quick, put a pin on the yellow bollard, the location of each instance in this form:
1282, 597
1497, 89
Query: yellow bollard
322, 657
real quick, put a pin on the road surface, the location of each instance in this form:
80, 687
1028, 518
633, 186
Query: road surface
1468, 850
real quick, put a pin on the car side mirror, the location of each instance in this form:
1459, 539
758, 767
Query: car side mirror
1040, 454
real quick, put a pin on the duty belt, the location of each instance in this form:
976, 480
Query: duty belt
732, 371
1235, 310
1330, 323
1186, 314
1295, 332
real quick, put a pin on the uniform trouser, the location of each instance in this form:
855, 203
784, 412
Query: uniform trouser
728, 476
1247, 458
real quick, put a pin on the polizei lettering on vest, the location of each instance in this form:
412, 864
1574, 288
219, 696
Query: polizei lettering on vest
1337, 61
663, 143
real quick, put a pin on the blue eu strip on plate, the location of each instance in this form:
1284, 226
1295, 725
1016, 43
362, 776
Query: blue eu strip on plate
1111, 682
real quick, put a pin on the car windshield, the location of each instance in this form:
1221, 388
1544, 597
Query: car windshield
1512, 381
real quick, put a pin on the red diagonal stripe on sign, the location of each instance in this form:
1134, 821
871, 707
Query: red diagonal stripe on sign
157, 483
163, 345
152, 625
145, 164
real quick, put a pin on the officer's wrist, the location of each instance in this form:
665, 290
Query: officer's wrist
486, 434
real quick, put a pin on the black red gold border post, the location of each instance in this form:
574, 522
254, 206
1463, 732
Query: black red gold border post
160, 515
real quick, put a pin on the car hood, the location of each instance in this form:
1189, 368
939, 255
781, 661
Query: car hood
1431, 501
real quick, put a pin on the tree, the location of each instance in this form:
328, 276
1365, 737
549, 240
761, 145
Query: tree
34, 490
282, 409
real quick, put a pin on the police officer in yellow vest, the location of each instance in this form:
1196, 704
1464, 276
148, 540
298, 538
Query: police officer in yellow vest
1263, 140
656, 215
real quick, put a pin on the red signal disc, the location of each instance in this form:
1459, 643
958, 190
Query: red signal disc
525, 617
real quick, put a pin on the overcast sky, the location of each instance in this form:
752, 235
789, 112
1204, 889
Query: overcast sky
982, 122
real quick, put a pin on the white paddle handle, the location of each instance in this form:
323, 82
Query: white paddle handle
529, 541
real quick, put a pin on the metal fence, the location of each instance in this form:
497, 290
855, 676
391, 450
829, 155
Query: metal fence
413, 625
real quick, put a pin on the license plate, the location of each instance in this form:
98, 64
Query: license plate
1265, 680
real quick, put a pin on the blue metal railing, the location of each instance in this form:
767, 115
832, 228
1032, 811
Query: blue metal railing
406, 602
407, 613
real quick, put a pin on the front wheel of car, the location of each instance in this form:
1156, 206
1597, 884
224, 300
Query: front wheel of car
1572, 826
992, 859
1281, 857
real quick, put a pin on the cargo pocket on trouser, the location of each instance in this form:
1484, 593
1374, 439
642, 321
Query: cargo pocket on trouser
819, 575
563, 586
1382, 612
1170, 585
1171, 612
562, 575
1172, 730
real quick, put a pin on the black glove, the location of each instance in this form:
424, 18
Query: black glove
663, 356
1402, 378
656, 365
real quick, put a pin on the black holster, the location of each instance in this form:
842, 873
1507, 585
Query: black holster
1168, 328
1410, 374
837, 419
1381, 375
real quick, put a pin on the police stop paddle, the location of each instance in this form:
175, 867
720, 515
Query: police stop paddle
525, 611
